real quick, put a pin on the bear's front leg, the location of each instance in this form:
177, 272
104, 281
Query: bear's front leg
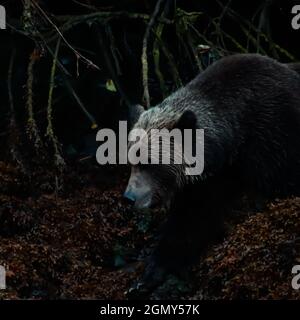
185, 236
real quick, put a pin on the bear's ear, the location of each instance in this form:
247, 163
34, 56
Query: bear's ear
134, 113
187, 120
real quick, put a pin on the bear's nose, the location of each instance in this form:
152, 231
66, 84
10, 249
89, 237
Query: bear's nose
129, 197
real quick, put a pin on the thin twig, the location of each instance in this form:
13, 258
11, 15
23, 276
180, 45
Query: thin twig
79, 102
32, 128
156, 58
113, 48
77, 53
110, 67
171, 61
9, 83
104, 17
59, 161
87, 6
144, 52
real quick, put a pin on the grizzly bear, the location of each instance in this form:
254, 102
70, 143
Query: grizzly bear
249, 108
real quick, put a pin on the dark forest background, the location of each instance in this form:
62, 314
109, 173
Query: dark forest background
70, 67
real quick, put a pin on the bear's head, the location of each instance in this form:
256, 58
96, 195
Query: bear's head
155, 182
